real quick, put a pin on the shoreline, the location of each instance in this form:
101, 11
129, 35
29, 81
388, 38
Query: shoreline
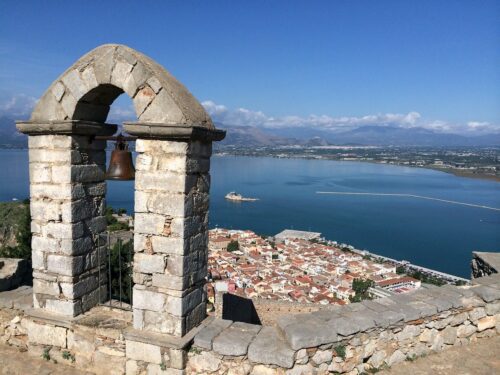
455, 172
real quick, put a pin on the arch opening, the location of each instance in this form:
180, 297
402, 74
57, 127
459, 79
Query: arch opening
95, 105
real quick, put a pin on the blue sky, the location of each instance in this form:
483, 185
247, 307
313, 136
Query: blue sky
331, 64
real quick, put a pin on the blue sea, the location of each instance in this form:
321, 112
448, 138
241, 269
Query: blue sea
429, 233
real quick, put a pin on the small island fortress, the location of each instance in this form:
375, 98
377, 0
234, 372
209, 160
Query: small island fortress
167, 330
233, 196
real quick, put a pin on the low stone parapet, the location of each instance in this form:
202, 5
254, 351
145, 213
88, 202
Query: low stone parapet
355, 338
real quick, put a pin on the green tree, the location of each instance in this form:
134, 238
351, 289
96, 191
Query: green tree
16, 216
400, 270
121, 270
233, 246
361, 287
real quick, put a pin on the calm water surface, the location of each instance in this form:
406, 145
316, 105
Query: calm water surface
432, 234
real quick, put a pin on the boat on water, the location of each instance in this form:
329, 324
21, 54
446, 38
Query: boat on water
233, 196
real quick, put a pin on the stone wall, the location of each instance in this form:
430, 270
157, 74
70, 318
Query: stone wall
67, 191
171, 235
356, 338
352, 339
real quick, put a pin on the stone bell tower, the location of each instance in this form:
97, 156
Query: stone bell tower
67, 171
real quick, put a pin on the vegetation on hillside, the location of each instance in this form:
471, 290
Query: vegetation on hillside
121, 271
361, 287
113, 223
15, 230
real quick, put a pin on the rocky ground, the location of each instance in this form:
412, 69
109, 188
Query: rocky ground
482, 357
16, 362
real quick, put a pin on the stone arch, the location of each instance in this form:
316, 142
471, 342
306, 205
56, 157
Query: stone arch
87, 89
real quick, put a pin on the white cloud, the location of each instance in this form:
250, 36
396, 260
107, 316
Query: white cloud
243, 116
18, 106
121, 113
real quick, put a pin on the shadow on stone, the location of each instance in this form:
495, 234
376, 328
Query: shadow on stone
239, 309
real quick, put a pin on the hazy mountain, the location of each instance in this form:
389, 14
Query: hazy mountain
364, 135
256, 136
9, 136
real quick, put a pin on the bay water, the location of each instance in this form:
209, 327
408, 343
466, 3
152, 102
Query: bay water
429, 233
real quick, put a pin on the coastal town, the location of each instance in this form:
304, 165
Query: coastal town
298, 266
465, 161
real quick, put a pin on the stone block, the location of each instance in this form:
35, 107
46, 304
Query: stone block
79, 246
149, 300
204, 362
58, 90
40, 172
148, 223
46, 287
63, 230
165, 182
88, 76
75, 84
164, 323
37, 260
486, 322
120, 72
492, 308
168, 281
95, 189
449, 335
180, 306
65, 265
142, 99
43, 334
235, 340
305, 332
45, 210
170, 245
148, 263
487, 293
161, 109
155, 84
44, 244
160, 146
48, 156
80, 288
103, 67
140, 351
63, 307
173, 205
465, 330
49, 141
269, 348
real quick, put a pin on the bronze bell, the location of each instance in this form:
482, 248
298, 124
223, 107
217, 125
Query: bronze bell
121, 166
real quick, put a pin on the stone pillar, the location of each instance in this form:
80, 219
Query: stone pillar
171, 234
67, 192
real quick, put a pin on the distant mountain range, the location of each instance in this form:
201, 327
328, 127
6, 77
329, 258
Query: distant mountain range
251, 136
9, 136
371, 135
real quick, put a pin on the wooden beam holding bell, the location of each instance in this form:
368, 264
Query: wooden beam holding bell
121, 166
